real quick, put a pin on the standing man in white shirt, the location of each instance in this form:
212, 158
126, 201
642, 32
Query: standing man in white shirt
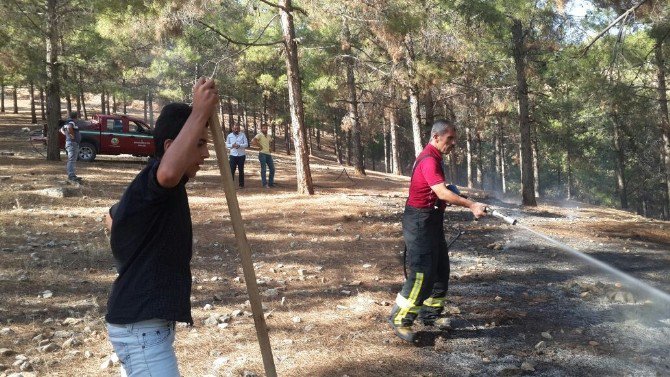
237, 142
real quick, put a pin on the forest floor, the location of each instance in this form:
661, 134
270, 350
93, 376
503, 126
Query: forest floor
329, 268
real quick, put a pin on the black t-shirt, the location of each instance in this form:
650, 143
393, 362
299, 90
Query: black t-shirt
152, 242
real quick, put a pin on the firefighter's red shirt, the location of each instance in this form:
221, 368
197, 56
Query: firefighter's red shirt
427, 173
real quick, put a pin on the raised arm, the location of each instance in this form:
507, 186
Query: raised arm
183, 150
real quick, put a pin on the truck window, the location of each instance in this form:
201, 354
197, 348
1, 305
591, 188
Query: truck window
114, 125
135, 128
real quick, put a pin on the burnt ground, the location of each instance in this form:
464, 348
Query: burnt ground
329, 266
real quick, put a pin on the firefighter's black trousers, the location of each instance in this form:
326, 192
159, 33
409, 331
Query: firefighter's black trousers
425, 289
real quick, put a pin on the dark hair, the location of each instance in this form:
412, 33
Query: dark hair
169, 124
74, 115
441, 126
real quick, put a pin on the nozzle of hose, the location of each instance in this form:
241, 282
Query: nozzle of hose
496, 213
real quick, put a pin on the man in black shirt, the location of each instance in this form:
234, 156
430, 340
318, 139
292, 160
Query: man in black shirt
151, 239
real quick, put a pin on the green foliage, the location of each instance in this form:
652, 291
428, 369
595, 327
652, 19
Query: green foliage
457, 53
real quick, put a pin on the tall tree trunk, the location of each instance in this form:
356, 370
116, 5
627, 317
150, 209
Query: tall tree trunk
569, 184
78, 102
264, 119
255, 123
620, 161
151, 108
15, 98
2, 95
393, 128
273, 143
230, 114
337, 142
77, 94
115, 107
43, 104
430, 109
53, 81
413, 95
468, 155
107, 101
303, 172
386, 136
146, 107
664, 123
503, 166
348, 135
222, 115
66, 88
453, 172
33, 114
496, 159
102, 102
287, 139
352, 101
68, 103
500, 158
310, 144
123, 95
81, 94
536, 161
528, 178
416, 118
318, 139
244, 124
478, 161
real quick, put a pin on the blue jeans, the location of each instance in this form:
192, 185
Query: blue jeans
72, 149
266, 159
237, 162
145, 348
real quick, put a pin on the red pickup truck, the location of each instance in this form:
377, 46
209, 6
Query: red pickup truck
111, 135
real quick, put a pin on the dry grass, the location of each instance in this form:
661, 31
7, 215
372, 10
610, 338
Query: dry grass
346, 239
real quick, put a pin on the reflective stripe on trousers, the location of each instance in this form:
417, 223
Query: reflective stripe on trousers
423, 293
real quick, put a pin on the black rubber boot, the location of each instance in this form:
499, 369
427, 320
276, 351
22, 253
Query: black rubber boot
403, 332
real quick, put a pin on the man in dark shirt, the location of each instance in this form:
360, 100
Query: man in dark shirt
425, 288
151, 239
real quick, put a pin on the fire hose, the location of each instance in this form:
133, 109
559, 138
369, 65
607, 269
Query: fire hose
489, 210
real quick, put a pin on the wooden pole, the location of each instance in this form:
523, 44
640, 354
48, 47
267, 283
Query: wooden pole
242, 245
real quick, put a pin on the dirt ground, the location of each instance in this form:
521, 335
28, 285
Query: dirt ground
328, 266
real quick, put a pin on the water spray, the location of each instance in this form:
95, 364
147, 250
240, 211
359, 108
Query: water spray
654, 292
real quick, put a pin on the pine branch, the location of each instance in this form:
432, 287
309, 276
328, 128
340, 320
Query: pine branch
42, 31
240, 43
624, 15
284, 8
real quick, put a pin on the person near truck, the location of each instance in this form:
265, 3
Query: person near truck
72, 140
237, 143
262, 141
424, 291
152, 240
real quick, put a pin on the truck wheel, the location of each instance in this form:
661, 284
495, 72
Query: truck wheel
87, 152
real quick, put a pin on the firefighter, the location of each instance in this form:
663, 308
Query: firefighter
425, 288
